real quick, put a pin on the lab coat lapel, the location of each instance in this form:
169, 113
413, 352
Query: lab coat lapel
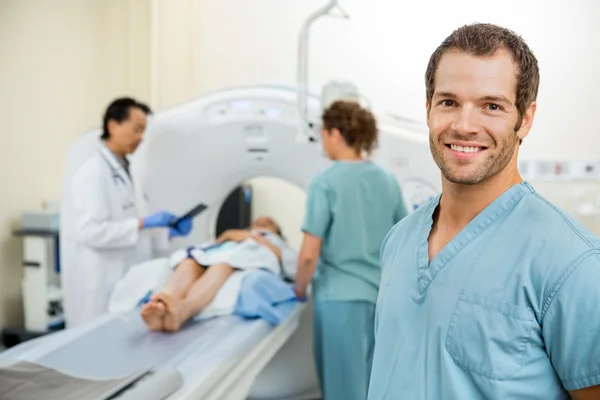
116, 167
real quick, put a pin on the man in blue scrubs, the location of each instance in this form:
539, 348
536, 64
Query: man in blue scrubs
488, 291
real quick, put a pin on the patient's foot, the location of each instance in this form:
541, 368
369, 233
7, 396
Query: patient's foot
153, 314
175, 312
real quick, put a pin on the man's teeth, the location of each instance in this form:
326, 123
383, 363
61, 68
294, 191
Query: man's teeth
464, 149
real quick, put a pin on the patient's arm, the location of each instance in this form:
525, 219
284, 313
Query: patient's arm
262, 240
235, 235
239, 235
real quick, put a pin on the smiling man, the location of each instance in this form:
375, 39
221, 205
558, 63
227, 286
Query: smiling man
488, 291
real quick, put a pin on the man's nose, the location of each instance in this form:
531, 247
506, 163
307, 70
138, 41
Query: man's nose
466, 120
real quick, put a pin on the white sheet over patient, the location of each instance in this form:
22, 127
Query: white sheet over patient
248, 254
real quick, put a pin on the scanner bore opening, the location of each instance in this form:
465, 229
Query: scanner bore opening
264, 196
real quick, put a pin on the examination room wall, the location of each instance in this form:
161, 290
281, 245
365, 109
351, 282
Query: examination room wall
61, 61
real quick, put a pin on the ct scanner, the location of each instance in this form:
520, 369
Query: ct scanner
198, 152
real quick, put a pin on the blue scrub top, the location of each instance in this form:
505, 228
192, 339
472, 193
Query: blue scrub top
507, 310
351, 206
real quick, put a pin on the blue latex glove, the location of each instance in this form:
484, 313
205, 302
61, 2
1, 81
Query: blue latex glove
160, 219
183, 228
302, 299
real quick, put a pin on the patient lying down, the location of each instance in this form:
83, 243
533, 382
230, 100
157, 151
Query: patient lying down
197, 279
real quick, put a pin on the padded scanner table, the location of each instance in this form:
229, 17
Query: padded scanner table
212, 359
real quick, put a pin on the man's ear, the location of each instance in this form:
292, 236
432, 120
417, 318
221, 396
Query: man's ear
112, 125
527, 121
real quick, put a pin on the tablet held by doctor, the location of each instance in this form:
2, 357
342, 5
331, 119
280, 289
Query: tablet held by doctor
112, 228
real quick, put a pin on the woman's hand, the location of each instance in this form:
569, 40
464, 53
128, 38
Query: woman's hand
300, 293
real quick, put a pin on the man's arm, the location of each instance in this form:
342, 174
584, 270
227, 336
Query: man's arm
590, 393
307, 263
570, 328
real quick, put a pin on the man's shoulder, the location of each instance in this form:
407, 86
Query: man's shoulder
90, 169
555, 242
550, 224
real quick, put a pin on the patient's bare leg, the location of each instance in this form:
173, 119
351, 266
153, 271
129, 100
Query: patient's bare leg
199, 296
182, 279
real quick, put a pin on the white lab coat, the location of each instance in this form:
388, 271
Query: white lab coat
103, 238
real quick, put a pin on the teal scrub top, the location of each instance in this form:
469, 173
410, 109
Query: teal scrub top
351, 206
509, 309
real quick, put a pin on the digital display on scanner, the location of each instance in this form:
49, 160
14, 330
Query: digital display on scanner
240, 105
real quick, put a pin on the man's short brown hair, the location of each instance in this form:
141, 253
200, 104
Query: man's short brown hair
485, 40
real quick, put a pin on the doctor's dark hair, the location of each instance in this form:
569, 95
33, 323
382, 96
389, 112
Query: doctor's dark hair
485, 40
356, 124
118, 111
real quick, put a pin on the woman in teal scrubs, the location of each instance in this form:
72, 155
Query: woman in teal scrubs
350, 208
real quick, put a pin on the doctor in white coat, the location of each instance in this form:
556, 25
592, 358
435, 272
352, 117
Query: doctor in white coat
111, 229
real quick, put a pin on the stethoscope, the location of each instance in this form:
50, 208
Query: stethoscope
116, 177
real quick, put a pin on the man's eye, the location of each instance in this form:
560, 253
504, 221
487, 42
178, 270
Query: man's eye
493, 107
447, 103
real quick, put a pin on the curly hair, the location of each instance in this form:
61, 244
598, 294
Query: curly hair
356, 124
483, 40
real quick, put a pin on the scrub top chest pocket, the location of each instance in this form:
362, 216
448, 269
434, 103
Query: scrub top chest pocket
488, 336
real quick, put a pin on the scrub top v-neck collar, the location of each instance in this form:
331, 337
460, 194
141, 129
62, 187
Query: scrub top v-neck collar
426, 271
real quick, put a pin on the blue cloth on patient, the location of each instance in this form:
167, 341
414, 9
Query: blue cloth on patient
265, 295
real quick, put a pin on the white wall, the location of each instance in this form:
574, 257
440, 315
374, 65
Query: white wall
61, 62
173, 56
